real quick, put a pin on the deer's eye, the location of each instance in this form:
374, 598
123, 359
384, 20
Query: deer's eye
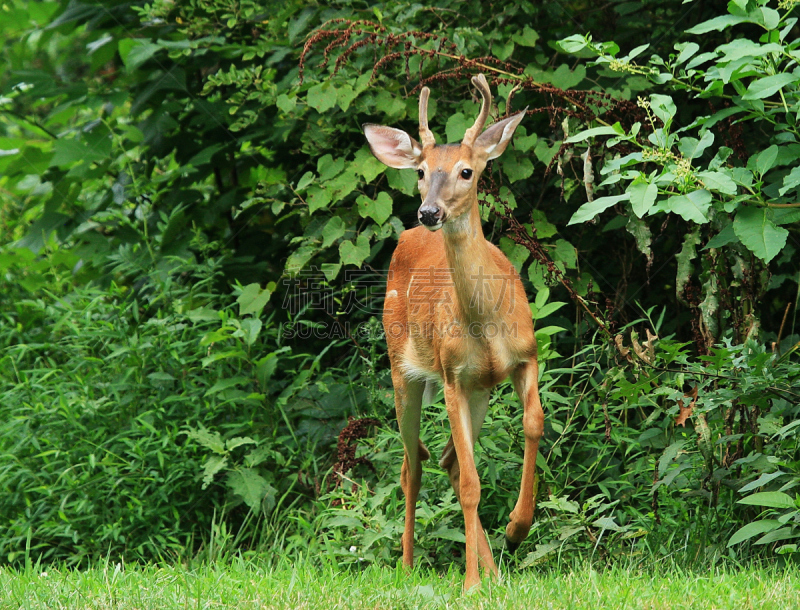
421, 174
466, 174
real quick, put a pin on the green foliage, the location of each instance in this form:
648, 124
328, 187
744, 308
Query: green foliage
171, 172
742, 196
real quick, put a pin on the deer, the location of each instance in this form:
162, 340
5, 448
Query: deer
456, 314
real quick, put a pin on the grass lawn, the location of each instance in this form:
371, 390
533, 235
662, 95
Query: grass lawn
244, 585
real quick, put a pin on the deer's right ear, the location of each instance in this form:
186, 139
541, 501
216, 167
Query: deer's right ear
393, 147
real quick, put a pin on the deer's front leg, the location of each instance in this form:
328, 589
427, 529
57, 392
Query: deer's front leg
449, 462
458, 413
526, 383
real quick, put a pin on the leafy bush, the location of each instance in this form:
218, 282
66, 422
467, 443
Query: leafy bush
738, 199
102, 394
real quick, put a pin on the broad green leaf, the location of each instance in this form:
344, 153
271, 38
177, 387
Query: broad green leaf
717, 23
589, 210
379, 209
565, 253
663, 107
685, 51
135, 51
517, 167
541, 298
691, 148
231, 354
635, 52
547, 331
305, 180
317, 198
456, 127
265, 368
614, 130
742, 47
212, 466
548, 309
354, 253
642, 196
526, 38
367, 165
742, 176
239, 441
331, 270
517, 253
771, 499
250, 486
392, 106
537, 274
607, 523
252, 300
209, 440
761, 481
544, 152
251, 328
769, 85
759, 233
751, 530
285, 103
328, 167
204, 156
718, 181
502, 50
321, 97
334, 229
765, 160
790, 181
448, 533
784, 533
342, 185
226, 383
770, 18
298, 259
565, 78
345, 96
344, 521
573, 44
723, 238
692, 207
544, 228
68, 151
403, 180
524, 143
160, 376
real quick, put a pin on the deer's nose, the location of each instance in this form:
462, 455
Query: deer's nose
430, 215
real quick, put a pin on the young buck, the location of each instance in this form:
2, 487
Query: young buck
456, 313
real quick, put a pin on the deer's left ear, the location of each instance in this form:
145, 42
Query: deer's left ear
494, 140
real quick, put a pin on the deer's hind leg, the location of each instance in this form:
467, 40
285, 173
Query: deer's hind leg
526, 383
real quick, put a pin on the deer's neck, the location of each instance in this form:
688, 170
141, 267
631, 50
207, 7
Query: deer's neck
482, 288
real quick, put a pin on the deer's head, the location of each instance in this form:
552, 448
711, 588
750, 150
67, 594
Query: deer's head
448, 174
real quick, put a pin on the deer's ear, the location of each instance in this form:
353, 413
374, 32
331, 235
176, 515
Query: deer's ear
393, 147
494, 140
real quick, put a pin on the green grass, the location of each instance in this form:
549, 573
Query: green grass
244, 585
